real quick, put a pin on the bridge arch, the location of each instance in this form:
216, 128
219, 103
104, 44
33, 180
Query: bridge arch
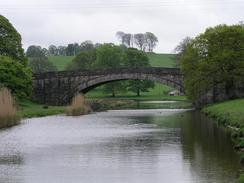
86, 86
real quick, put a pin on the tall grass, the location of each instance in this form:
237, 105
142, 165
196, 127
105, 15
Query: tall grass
8, 111
79, 106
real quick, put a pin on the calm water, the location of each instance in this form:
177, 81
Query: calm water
123, 146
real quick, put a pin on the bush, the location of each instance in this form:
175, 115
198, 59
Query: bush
78, 106
8, 112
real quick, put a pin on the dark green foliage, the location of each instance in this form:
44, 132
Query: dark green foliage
10, 41
15, 76
214, 58
35, 51
41, 64
136, 58
110, 56
84, 60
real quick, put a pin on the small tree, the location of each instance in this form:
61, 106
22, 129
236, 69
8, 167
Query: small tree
140, 41
151, 41
84, 60
34, 51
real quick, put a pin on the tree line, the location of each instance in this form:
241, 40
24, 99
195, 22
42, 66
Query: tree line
71, 49
144, 41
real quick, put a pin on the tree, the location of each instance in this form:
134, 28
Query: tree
140, 40
45, 51
41, 64
136, 58
52, 49
62, 50
34, 51
111, 56
151, 41
215, 59
84, 60
86, 45
10, 41
181, 49
121, 36
70, 50
15, 76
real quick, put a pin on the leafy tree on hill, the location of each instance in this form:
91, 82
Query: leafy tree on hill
41, 64
151, 41
84, 60
34, 51
136, 58
181, 49
215, 58
15, 76
10, 41
111, 56
53, 50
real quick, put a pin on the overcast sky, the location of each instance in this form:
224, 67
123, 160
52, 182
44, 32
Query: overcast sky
60, 22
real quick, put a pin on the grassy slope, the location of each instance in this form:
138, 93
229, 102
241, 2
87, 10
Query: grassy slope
162, 60
60, 61
229, 113
156, 60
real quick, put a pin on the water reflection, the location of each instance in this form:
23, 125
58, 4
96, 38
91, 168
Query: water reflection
118, 146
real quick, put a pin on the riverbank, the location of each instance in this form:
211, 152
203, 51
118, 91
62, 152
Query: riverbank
230, 114
29, 109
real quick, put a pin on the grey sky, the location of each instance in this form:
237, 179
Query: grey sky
61, 22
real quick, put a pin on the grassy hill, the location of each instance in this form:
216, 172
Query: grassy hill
156, 60
60, 61
162, 60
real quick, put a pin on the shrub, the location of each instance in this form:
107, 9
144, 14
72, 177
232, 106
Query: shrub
78, 106
8, 112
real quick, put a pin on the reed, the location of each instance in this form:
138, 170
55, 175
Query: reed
79, 106
8, 111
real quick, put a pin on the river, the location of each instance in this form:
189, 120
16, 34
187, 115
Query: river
118, 146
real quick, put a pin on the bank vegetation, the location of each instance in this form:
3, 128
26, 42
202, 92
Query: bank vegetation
8, 111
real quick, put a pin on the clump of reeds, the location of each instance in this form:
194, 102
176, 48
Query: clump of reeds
8, 111
79, 106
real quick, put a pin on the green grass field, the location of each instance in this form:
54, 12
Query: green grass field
229, 113
30, 109
60, 61
162, 60
156, 60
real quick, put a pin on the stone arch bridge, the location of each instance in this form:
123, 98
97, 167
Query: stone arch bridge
58, 88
